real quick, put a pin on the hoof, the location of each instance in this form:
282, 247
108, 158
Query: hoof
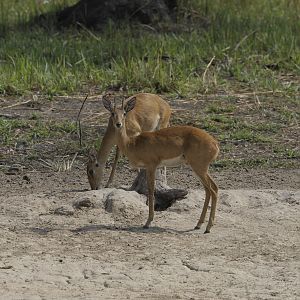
146, 226
197, 227
206, 231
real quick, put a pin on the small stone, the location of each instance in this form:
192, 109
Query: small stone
6, 267
26, 178
64, 211
83, 203
13, 171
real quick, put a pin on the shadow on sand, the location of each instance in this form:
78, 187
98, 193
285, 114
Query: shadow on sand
101, 227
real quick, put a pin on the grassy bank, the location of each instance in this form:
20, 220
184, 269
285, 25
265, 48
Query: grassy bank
237, 63
216, 46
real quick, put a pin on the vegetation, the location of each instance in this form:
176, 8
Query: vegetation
252, 44
245, 54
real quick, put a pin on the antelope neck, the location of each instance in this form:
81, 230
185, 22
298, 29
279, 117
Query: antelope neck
107, 143
122, 139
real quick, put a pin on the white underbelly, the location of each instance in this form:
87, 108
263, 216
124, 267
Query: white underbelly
173, 162
136, 165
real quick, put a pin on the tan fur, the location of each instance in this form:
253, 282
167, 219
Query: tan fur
150, 149
151, 112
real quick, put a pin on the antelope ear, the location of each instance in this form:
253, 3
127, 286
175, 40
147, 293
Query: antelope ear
107, 103
130, 104
92, 155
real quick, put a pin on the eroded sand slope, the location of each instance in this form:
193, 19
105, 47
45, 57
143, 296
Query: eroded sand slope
52, 250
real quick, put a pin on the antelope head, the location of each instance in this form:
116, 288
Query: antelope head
118, 114
94, 171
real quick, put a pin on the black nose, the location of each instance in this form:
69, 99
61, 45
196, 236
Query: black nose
118, 125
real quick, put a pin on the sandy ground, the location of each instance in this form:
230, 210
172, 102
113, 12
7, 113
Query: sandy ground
51, 249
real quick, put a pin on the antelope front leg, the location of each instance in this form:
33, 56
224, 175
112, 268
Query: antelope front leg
150, 183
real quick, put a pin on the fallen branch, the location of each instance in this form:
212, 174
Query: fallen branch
78, 121
81, 107
7, 116
243, 40
206, 69
17, 104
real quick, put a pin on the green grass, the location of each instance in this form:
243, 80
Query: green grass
216, 108
219, 52
286, 152
255, 44
32, 131
246, 134
260, 162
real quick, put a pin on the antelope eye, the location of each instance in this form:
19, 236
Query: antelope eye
97, 165
124, 113
112, 114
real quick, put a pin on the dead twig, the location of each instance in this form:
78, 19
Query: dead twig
243, 40
256, 93
256, 99
78, 121
17, 104
206, 69
95, 97
81, 107
89, 32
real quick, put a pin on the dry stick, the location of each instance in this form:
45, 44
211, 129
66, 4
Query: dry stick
256, 99
80, 133
72, 161
206, 69
258, 92
147, 26
89, 32
78, 121
243, 40
81, 107
78, 97
138, 9
46, 164
16, 104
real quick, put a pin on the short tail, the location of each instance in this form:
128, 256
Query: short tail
217, 150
